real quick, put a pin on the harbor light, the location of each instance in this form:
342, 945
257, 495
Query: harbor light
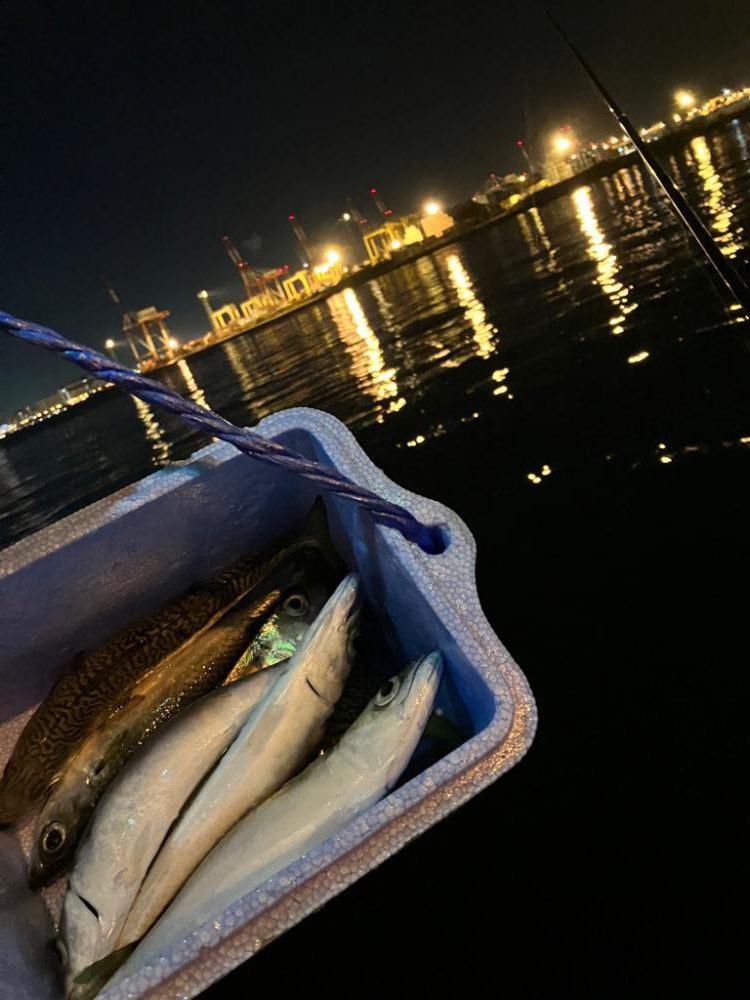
431, 208
109, 344
684, 99
562, 144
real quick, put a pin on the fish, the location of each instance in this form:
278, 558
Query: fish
284, 630
274, 744
191, 672
136, 812
96, 682
337, 787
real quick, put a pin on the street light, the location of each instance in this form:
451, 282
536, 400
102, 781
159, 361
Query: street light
109, 344
684, 99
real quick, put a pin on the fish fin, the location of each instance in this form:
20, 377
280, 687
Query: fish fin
90, 980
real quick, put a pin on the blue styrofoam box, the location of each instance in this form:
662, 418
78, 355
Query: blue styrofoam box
72, 585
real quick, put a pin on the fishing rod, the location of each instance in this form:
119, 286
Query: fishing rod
687, 215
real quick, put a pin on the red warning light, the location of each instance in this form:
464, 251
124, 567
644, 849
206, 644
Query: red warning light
373, 190
519, 143
292, 218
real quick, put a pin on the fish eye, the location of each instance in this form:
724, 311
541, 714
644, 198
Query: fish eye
53, 838
296, 605
387, 693
351, 646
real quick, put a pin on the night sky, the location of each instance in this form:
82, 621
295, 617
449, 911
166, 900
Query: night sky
136, 134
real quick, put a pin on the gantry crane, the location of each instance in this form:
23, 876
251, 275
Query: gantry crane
258, 282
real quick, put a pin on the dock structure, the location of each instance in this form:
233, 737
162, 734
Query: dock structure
148, 337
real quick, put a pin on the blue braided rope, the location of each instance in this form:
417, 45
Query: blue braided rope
427, 536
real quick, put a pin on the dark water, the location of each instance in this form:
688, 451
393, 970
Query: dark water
574, 385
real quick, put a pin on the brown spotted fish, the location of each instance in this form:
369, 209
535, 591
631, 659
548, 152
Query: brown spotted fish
98, 682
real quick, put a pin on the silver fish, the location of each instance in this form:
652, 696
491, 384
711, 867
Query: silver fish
191, 672
275, 742
362, 768
136, 812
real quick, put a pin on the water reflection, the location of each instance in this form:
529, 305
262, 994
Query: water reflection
484, 332
721, 209
159, 445
384, 307
543, 254
239, 357
194, 391
738, 130
363, 348
601, 253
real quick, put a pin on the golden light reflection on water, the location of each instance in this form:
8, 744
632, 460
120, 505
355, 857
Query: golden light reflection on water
239, 357
484, 333
194, 391
159, 444
607, 266
543, 254
720, 209
363, 347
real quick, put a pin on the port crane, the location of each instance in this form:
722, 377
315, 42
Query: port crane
259, 283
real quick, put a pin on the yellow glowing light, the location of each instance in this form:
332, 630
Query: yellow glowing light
484, 332
109, 343
607, 266
363, 346
562, 144
203, 294
684, 99
662, 446
173, 343
395, 244
533, 478
159, 444
431, 208
635, 359
546, 470
665, 459
333, 256
719, 206
195, 391
346, 217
